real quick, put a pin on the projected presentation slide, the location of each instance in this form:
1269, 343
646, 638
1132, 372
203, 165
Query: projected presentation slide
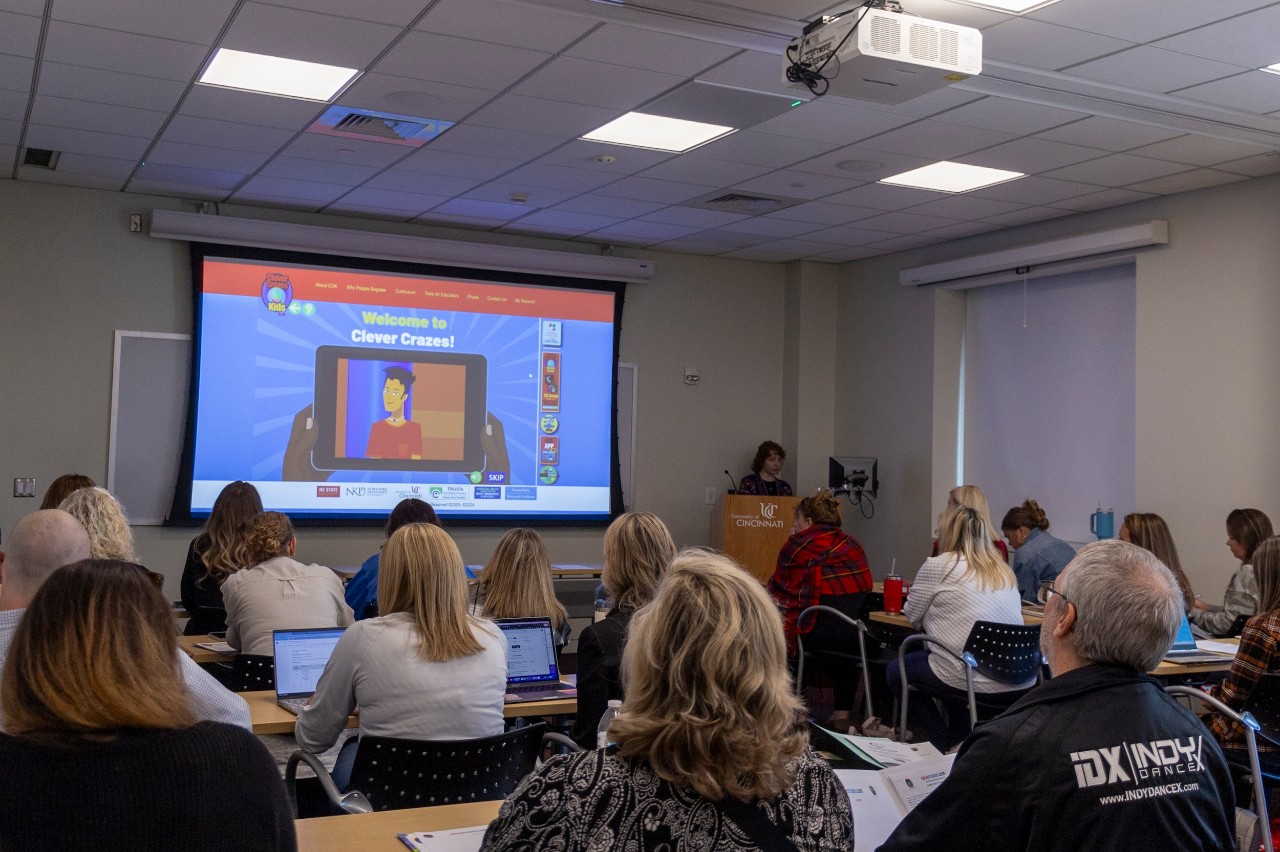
339, 392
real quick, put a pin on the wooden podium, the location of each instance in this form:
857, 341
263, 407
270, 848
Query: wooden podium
752, 529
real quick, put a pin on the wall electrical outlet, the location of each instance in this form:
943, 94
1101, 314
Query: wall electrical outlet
24, 486
711, 496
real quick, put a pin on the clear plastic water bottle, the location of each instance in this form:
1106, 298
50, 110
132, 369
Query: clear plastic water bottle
606, 719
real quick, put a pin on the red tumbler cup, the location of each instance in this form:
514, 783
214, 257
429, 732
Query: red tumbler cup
893, 594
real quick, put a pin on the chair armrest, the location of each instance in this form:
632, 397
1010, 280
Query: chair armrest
561, 739
926, 639
353, 802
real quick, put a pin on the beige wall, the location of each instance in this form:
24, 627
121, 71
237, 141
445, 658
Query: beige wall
1207, 352
71, 274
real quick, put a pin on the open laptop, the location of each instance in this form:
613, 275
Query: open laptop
1184, 649
301, 656
532, 672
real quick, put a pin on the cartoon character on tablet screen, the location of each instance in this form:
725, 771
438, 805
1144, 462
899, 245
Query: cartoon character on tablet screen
397, 436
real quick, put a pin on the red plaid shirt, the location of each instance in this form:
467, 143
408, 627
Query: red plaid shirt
820, 562
1259, 654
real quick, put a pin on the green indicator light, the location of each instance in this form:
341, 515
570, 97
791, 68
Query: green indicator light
796, 103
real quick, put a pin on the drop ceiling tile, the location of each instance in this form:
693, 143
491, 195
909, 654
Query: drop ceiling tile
336, 149
580, 81
798, 248
882, 196
1250, 39
250, 108
1252, 91
643, 188
963, 229
419, 98
581, 154
836, 121
1117, 170
1153, 69
421, 183
198, 23
15, 73
692, 217
764, 149
906, 222
68, 179
761, 226
296, 168
408, 203
650, 50
8, 153
936, 102
87, 142
761, 255
92, 47
343, 208
225, 134
478, 209
1100, 200
214, 179
103, 118
424, 56
1027, 215
295, 34
105, 167
624, 208
431, 161
19, 34
10, 131
713, 242
500, 22
694, 244
204, 156
965, 206
175, 190
1186, 181
955, 13
1266, 164
538, 196
396, 12
559, 177
824, 213
844, 255
900, 243
1023, 41
1199, 150
1141, 20
751, 69
795, 184
538, 115
269, 188
564, 222
1109, 134
12, 103
706, 170
60, 80
23, 7
647, 232
860, 164
1036, 189
1008, 116
1030, 155
494, 142
935, 140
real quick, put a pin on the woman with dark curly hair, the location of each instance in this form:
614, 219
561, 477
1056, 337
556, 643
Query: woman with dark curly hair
766, 471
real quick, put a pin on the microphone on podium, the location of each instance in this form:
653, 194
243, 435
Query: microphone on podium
733, 483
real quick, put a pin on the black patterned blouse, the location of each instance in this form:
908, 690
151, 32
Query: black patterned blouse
600, 802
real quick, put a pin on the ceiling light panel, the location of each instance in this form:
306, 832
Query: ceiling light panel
640, 130
274, 75
951, 177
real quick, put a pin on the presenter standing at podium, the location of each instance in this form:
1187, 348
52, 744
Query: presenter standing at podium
765, 470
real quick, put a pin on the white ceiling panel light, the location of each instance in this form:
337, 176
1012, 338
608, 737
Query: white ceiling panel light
1272, 69
946, 176
274, 75
1014, 7
641, 130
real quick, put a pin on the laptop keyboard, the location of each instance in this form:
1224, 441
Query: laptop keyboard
293, 705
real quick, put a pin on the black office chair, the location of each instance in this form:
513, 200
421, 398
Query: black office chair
1252, 728
252, 672
870, 650
1008, 653
391, 773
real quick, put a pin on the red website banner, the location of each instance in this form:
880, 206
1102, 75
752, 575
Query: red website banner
311, 284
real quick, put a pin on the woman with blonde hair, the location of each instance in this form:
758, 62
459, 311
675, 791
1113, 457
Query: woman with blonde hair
104, 519
217, 553
516, 583
424, 669
968, 582
637, 550
278, 592
1150, 532
101, 747
707, 751
1246, 529
972, 497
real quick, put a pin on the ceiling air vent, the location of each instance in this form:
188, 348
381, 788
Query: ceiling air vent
741, 202
373, 126
41, 158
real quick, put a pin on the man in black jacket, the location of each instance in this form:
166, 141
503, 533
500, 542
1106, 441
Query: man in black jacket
1099, 757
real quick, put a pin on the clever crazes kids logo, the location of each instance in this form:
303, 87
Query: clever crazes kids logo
1135, 763
277, 292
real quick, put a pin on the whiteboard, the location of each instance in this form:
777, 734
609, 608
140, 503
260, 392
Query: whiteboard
150, 373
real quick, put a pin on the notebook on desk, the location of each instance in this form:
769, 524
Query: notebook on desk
532, 671
300, 658
1184, 649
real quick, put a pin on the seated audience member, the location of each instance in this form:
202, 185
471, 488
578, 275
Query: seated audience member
822, 564
1246, 529
637, 550
972, 497
104, 519
1150, 532
1099, 758
706, 754
278, 592
1259, 655
766, 472
516, 583
44, 541
362, 589
968, 582
101, 749
62, 487
424, 669
217, 553
1037, 556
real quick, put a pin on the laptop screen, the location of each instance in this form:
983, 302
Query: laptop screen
1185, 640
301, 656
531, 651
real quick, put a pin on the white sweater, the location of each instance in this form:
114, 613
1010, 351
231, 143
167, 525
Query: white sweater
280, 594
945, 603
376, 666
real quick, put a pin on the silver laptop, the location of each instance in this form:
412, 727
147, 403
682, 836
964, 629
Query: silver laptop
1184, 649
532, 671
301, 656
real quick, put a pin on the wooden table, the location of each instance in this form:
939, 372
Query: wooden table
270, 718
202, 655
377, 832
897, 619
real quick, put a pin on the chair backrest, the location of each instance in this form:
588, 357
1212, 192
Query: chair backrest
395, 773
252, 672
1009, 653
1264, 704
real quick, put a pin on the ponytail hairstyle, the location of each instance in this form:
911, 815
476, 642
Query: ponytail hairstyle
1028, 515
269, 536
822, 509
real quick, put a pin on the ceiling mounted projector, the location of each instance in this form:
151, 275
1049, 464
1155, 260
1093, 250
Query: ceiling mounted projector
882, 56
